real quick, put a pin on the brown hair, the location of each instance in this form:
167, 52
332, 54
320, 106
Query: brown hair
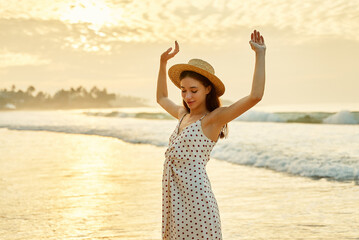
212, 99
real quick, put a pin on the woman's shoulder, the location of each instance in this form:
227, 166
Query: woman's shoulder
212, 118
182, 112
212, 115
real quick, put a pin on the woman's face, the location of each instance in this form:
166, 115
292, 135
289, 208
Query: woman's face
193, 92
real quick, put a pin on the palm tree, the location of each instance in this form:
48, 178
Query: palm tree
30, 90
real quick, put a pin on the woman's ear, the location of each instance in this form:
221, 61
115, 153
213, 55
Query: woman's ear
208, 89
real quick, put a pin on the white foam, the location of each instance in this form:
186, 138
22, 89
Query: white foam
311, 150
258, 116
342, 117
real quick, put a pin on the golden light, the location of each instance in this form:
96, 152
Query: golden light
95, 12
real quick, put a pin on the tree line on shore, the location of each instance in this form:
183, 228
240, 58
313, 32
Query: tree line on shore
64, 99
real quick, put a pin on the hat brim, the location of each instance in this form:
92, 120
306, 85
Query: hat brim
175, 71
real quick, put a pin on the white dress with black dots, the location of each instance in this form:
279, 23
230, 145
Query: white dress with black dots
189, 207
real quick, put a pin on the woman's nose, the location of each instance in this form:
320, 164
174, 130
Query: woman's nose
188, 95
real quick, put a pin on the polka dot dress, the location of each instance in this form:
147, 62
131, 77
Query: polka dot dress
189, 207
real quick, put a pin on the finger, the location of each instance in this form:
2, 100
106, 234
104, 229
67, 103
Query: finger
171, 55
176, 47
252, 36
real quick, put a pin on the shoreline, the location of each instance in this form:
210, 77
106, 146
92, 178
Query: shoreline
93, 186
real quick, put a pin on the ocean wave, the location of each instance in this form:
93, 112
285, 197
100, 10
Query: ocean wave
315, 167
118, 114
308, 150
341, 117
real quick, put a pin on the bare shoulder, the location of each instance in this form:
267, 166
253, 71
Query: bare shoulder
182, 111
212, 118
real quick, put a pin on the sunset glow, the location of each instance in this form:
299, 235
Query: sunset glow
312, 45
95, 12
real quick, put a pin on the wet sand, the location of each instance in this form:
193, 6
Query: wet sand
67, 186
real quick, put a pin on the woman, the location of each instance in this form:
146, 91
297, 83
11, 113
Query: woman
189, 207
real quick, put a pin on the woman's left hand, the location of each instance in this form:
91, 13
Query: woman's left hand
257, 42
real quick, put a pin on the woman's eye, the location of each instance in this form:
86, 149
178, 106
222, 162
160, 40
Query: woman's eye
193, 92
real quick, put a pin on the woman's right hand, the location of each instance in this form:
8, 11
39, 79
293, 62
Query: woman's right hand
167, 55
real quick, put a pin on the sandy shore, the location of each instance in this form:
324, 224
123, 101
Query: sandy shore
66, 186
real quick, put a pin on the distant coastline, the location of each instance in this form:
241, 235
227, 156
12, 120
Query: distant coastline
73, 98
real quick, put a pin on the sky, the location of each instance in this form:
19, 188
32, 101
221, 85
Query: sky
312, 51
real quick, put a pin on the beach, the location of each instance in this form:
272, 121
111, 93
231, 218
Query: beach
76, 186
90, 117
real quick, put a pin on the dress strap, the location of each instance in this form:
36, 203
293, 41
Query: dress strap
203, 116
186, 114
182, 117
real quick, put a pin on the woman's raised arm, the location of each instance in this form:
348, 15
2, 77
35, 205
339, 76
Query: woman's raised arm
257, 44
223, 115
162, 93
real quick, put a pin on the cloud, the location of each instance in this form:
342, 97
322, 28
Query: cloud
100, 26
10, 59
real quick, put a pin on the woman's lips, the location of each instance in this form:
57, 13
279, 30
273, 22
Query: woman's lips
190, 102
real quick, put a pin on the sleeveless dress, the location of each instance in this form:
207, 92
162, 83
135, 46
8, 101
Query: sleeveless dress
189, 207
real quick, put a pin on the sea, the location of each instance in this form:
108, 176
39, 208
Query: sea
312, 144
282, 173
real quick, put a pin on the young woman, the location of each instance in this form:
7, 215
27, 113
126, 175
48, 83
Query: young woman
189, 207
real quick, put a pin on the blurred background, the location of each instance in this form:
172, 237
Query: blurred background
83, 141
312, 47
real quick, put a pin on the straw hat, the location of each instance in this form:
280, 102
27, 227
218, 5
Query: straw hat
198, 66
